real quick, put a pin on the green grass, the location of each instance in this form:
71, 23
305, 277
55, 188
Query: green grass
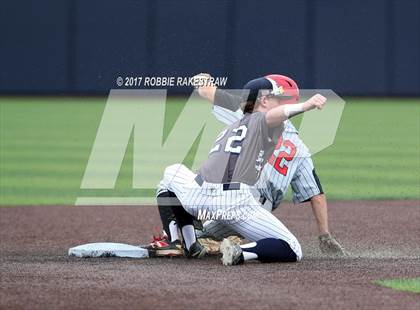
408, 285
376, 152
45, 145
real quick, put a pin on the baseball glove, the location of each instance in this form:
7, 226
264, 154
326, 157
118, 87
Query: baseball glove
213, 246
328, 245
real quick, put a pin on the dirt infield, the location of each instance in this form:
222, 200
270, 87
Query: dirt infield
382, 238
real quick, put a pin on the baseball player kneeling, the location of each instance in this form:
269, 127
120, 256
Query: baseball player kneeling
290, 164
224, 186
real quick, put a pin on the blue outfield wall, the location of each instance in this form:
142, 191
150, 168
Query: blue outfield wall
357, 47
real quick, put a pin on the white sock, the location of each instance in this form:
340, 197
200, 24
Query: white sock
248, 245
173, 230
188, 233
249, 255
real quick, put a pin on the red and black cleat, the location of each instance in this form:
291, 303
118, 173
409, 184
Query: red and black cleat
162, 247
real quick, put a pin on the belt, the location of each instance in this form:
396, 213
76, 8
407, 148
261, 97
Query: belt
234, 186
263, 200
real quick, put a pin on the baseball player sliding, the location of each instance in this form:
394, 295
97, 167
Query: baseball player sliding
290, 164
224, 185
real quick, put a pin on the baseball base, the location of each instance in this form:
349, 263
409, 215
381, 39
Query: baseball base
108, 249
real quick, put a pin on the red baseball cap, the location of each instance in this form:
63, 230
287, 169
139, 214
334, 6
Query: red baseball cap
274, 85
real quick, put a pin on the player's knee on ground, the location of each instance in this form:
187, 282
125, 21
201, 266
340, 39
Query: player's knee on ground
272, 250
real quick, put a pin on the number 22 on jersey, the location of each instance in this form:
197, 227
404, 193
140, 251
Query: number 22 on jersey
233, 143
288, 154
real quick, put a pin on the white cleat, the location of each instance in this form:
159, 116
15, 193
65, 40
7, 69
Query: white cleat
231, 253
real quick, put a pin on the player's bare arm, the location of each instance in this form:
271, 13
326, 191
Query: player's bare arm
275, 116
327, 243
320, 211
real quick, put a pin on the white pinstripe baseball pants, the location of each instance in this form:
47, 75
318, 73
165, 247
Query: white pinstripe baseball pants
238, 209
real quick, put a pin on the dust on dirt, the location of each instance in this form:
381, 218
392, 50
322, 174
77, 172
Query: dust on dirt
381, 237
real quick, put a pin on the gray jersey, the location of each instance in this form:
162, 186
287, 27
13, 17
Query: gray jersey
240, 151
291, 163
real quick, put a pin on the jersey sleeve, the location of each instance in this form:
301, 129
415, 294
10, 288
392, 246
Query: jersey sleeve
226, 107
226, 100
305, 183
226, 116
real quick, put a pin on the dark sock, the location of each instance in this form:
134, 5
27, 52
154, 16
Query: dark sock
271, 250
165, 201
182, 217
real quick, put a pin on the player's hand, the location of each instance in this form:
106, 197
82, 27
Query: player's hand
318, 101
201, 79
328, 245
204, 85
